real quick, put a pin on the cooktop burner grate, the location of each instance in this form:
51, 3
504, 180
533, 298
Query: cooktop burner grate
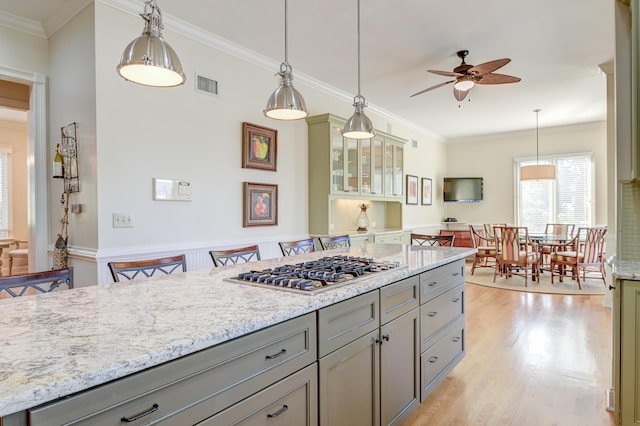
315, 276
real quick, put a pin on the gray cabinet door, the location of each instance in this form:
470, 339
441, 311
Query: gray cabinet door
399, 368
349, 384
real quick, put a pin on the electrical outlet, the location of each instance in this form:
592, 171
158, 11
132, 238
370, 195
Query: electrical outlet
122, 220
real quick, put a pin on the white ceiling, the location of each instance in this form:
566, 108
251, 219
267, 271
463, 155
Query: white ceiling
555, 47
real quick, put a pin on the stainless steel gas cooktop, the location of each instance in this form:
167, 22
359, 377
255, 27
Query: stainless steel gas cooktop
315, 276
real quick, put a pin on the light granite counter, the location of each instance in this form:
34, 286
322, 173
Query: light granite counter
56, 344
625, 270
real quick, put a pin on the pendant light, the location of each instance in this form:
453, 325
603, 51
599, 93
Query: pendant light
539, 171
286, 103
358, 126
149, 60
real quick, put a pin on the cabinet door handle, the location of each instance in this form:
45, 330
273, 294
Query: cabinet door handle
611, 287
385, 337
432, 314
433, 359
279, 412
432, 283
274, 356
140, 415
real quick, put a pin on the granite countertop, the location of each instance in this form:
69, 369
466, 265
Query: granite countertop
63, 342
625, 269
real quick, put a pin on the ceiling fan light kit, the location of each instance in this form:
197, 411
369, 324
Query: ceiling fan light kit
467, 76
539, 171
358, 126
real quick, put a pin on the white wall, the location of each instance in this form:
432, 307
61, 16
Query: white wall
492, 157
23, 51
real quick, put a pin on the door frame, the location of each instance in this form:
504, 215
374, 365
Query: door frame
37, 176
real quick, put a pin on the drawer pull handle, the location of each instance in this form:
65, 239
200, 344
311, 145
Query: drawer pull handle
432, 283
279, 412
432, 314
282, 352
456, 339
433, 359
456, 300
140, 415
455, 274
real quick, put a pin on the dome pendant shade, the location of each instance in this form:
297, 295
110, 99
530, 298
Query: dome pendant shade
538, 172
286, 103
358, 126
149, 60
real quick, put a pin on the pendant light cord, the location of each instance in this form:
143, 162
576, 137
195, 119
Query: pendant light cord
536, 111
359, 95
286, 36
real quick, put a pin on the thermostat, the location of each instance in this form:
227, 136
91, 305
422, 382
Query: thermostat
171, 189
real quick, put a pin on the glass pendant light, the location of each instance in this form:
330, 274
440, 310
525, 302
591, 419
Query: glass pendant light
358, 126
286, 103
539, 171
149, 60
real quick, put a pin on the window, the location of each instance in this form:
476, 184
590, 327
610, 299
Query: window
5, 156
567, 199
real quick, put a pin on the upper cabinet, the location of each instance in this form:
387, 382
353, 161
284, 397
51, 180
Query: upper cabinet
368, 168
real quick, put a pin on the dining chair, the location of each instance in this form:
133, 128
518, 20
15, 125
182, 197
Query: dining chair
516, 253
147, 268
20, 252
583, 253
486, 249
489, 229
432, 240
555, 234
235, 256
43, 282
290, 248
338, 241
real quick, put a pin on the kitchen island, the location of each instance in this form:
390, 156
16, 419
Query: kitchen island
62, 343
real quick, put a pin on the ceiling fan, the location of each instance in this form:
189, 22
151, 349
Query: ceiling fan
467, 76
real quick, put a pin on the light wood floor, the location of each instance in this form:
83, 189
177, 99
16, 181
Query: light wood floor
532, 359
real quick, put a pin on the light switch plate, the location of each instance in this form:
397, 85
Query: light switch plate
165, 189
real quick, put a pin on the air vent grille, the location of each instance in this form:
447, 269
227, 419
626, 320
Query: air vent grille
206, 85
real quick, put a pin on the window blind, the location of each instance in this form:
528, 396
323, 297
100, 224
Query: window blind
4, 194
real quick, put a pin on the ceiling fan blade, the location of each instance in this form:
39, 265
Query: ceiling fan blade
432, 87
497, 79
446, 73
460, 94
488, 67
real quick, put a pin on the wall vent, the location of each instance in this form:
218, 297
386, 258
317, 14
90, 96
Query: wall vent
206, 85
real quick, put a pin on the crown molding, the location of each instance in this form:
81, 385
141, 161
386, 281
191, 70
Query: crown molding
24, 25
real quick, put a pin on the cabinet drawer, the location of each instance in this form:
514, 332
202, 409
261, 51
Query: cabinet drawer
439, 312
436, 281
205, 382
292, 401
439, 359
399, 298
344, 322
395, 238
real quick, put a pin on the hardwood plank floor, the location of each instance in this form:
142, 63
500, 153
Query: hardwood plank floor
532, 359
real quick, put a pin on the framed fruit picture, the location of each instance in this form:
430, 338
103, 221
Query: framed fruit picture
259, 147
260, 204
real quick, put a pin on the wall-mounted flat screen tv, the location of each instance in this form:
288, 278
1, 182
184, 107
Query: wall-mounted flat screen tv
463, 190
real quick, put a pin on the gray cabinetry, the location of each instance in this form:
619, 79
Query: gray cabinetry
626, 351
369, 357
194, 387
442, 323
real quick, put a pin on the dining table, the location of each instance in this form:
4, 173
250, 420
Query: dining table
552, 241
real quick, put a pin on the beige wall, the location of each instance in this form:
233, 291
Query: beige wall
14, 135
492, 157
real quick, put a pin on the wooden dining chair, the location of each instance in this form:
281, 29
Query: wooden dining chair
235, 256
485, 256
338, 241
516, 253
583, 253
557, 234
489, 229
432, 240
290, 248
43, 282
147, 268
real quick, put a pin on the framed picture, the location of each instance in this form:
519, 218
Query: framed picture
426, 191
412, 189
259, 147
260, 204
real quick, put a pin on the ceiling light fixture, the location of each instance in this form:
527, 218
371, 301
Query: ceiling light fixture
149, 60
539, 171
358, 126
286, 103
